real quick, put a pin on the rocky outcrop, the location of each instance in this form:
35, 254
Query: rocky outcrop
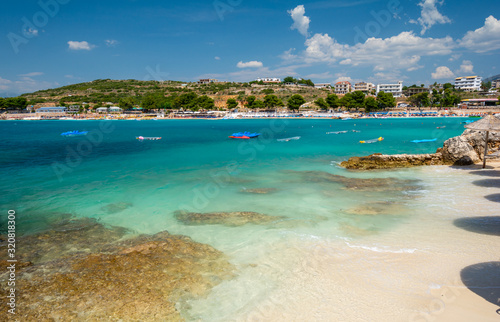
386, 161
461, 150
231, 219
141, 278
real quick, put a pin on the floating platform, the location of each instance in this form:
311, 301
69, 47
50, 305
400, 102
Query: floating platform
154, 138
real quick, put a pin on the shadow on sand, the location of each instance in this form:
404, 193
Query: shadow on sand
481, 225
484, 280
486, 173
494, 197
488, 183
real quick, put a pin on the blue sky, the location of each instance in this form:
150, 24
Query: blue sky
51, 43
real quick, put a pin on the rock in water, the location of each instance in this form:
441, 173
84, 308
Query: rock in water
114, 208
146, 278
260, 191
231, 219
458, 151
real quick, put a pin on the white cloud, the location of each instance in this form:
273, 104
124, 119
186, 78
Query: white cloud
80, 45
250, 64
31, 74
484, 39
442, 72
31, 32
402, 51
25, 84
217, 58
430, 15
343, 79
467, 67
455, 57
300, 21
111, 42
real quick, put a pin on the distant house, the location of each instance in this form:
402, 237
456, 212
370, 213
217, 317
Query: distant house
343, 87
395, 89
102, 110
323, 85
207, 81
115, 109
468, 83
495, 83
269, 80
364, 87
55, 109
416, 90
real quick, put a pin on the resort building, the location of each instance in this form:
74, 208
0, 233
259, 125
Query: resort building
323, 85
207, 81
269, 80
364, 87
342, 87
495, 83
416, 90
468, 83
395, 89
55, 109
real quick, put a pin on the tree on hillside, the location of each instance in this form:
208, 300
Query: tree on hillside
250, 100
347, 101
448, 85
258, 104
231, 103
386, 100
267, 91
186, 101
307, 82
289, 79
10, 103
126, 103
272, 101
333, 100
321, 103
358, 98
371, 105
421, 99
295, 102
204, 102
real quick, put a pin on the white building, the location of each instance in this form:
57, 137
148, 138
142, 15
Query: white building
395, 89
364, 87
207, 81
323, 85
269, 80
468, 83
342, 87
495, 83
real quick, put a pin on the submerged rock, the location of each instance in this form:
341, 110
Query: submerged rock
114, 208
146, 278
259, 190
231, 219
377, 208
360, 184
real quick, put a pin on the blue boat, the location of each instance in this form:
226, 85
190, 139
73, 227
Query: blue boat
244, 135
74, 133
424, 141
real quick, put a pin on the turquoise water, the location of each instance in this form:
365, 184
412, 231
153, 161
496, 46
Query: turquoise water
195, 166
333, 221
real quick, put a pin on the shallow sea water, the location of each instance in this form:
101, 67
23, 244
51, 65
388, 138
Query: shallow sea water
341, 248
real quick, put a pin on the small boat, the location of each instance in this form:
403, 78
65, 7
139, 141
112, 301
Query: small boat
355, 131
74, 133
244, 135
289, 139
338, 132
424, 141
441, 127
373, 141
142, 138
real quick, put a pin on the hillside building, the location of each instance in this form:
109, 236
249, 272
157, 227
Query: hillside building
468, 83
343, 88
395, 89
366, 88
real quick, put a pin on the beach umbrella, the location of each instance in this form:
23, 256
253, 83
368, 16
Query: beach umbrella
489, 124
